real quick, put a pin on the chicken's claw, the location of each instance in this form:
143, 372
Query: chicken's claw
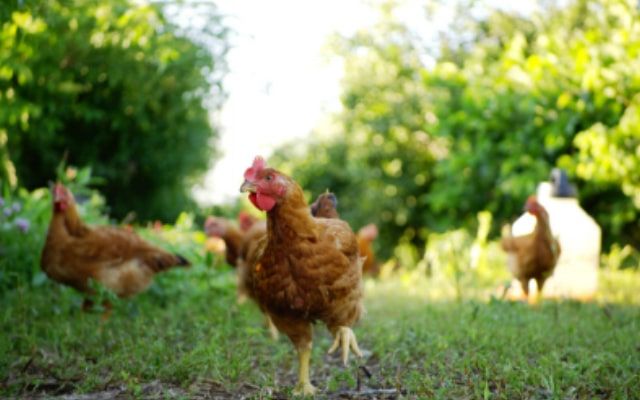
346, 339
304, 389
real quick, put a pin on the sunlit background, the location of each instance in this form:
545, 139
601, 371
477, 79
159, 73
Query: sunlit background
284, 81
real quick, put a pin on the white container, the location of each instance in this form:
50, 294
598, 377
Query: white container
576, 274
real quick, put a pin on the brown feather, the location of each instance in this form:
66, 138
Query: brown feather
309, 269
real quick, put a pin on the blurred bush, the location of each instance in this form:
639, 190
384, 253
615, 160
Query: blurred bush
621, 257
430, 134
117, 86
466, 263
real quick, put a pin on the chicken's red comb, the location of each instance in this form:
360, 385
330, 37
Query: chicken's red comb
258, 165
59, 189
243, 216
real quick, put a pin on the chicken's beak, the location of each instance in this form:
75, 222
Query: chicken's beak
248, 187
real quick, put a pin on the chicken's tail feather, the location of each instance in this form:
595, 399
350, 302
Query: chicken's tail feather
164, 261
182, 261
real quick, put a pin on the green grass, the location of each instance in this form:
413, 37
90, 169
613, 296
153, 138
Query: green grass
187, 337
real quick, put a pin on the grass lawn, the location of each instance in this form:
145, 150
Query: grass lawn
194, 341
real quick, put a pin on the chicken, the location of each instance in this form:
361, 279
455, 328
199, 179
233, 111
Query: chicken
119, 259
325, 206
227, 231
532, 256
308, 268
366, 235
253, 244
250, 248
246, 221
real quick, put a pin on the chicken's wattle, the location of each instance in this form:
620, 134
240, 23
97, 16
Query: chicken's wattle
262, 201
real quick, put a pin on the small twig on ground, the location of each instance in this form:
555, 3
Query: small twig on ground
366, 371
368, 392
27, 365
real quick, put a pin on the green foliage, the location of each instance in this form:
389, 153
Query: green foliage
116, 86
379, 160
423, 145
621, 257
24, 218
610, 157
467, 264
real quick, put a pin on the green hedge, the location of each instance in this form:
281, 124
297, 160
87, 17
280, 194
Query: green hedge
112, 85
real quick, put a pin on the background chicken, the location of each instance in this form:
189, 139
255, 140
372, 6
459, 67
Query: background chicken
325, 206
366, 235
118, 258
250, 249
239, 242
309, 268
229, 233
246, 221
532, 256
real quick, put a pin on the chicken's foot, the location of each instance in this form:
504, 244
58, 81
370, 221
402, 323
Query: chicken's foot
345, 338
304, 386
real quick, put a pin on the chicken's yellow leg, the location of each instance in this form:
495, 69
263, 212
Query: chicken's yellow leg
304, 386
273, 331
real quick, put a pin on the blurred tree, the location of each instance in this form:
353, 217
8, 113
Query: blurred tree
379, 161
429, 143
113, 85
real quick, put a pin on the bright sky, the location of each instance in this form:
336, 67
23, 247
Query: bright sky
281, 83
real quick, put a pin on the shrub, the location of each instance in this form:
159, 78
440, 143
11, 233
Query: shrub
112, 85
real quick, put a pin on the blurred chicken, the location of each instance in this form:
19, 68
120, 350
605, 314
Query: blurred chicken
118, 258
306, 269
229, 233
532, 256
249, 251
326, 206
366, 235
240, 244
246, 221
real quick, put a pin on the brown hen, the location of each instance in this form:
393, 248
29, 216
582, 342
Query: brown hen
119, 259
532, 256
308, 270
326, 206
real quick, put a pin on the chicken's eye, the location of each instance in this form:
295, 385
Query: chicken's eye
269, 177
